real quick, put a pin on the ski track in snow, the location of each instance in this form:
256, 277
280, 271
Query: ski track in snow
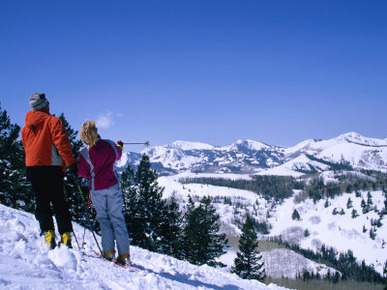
26, 263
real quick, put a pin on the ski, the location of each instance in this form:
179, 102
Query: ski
131, 267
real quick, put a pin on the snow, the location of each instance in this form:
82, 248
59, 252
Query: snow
250, 144
361, 152
300, 147
341, 232
249, 156
293, 264
189, 174
254, 204
357, 138
26, 263
187, 145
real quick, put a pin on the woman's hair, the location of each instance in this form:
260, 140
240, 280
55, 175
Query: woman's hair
89, 133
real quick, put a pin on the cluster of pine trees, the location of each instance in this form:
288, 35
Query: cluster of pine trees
14, 188
347, 183
274, 188
345, 263
158, 224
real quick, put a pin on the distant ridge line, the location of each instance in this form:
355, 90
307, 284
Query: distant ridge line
349, 141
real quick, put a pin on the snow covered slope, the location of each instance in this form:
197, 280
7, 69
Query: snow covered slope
283, 263
26, 263
339, 231
252, 157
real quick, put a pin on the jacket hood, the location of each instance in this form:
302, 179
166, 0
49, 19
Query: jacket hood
36, 118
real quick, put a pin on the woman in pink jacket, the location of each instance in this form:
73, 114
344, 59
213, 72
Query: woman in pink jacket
96, 162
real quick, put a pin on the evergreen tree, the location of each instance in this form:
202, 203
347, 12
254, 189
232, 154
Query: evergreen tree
172, 229
296, 215
129, 198
14, 188
365, 207
354, 213
202, 242
144, 207
249, 264
131, 206
349, 203
372, 233
369, 199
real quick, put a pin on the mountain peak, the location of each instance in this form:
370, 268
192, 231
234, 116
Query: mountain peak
354, 137
249, 144
188, 145
249, 156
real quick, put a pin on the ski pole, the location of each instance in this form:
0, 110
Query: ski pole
84, 230
76, 240
136, 143
88, 219
83, 239
75, 236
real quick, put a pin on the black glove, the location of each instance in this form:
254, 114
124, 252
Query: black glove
72, 169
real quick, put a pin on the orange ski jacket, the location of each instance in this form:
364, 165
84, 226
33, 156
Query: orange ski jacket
45, 141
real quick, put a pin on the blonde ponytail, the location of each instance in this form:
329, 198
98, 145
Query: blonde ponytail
89, 133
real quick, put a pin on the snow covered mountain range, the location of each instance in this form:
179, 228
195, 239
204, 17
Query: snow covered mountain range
349, 150
245, 158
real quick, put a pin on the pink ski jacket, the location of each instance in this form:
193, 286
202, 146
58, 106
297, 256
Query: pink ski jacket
97, 164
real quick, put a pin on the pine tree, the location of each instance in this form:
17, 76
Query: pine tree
172, 229
295, 215
129, 196
372, 233
131, 206
349, 203
14, 188
369, 199
365, 207
354, 213
144, 207
249, 264
202, 242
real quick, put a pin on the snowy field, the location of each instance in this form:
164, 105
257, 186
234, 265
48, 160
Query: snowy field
26, 263
341, 232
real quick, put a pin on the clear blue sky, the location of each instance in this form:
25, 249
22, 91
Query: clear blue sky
208, 71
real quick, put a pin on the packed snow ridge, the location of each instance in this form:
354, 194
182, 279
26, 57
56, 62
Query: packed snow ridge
26, 263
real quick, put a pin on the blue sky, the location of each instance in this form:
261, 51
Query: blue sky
209, 71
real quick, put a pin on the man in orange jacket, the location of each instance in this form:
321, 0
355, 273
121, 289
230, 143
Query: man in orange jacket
48, 150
